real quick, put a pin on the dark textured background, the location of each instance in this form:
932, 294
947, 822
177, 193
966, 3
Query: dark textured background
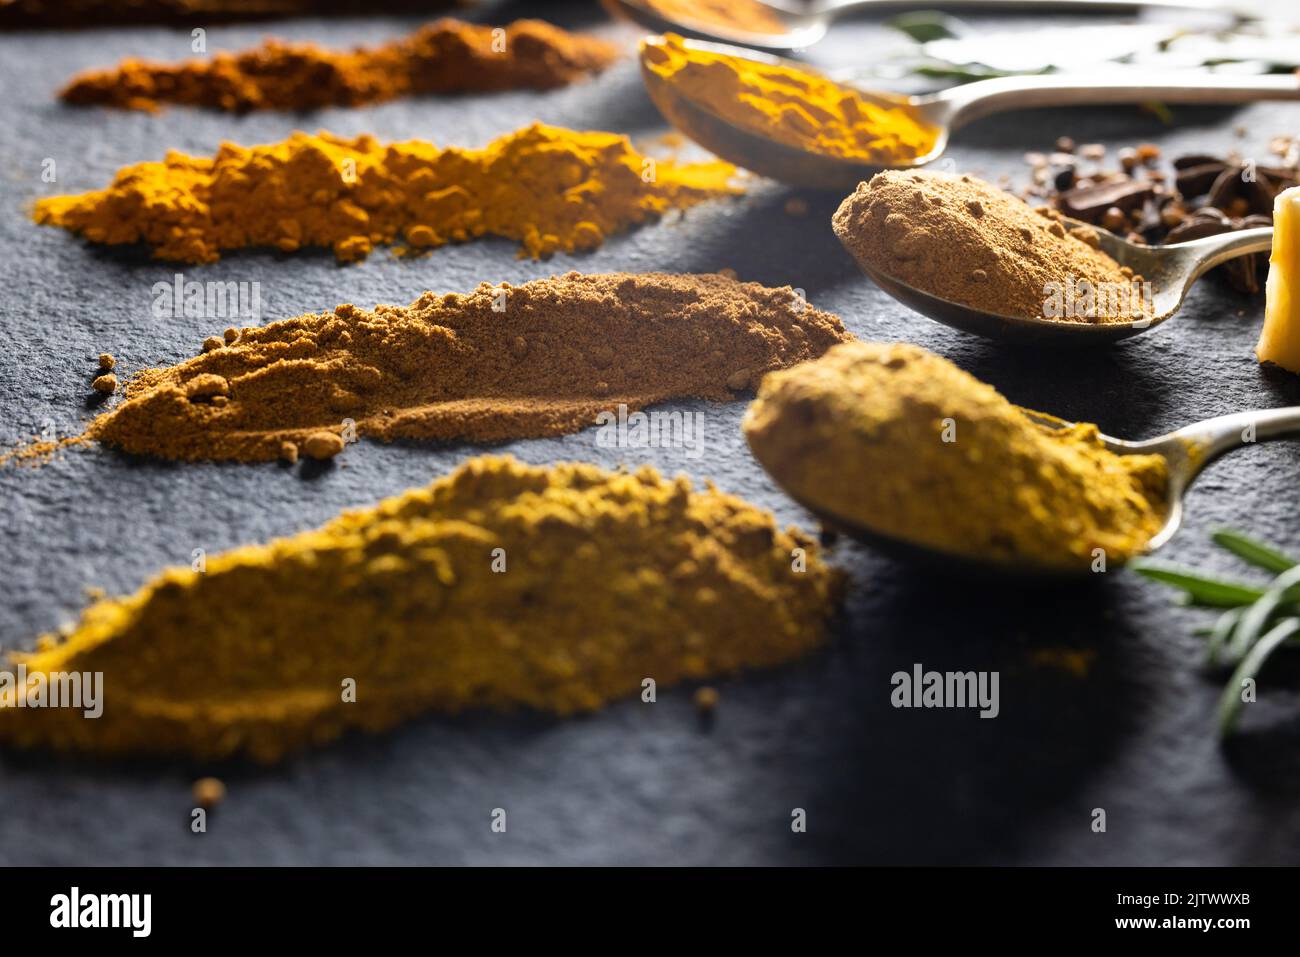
637, 783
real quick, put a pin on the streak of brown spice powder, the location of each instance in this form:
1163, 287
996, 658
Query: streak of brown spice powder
448, 56
503, 362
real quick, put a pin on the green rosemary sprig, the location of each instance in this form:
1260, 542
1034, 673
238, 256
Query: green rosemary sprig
1199, 589
1257, 553
1257, 619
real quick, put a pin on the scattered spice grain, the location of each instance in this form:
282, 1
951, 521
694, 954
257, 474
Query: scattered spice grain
208, 792
322, 445
706, 699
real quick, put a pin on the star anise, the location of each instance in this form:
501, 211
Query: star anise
1244, 272
1208, 195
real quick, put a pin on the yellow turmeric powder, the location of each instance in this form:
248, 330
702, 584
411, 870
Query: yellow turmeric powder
549, 188
751, 16
902, 442
796, 107
500, 586
542, 358
449, 56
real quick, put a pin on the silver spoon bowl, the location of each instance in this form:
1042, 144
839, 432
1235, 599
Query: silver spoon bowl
804, 27
1170, 270
801, 30
945, 111
1186, 452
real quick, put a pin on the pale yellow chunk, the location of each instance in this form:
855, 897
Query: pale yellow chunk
1279, 340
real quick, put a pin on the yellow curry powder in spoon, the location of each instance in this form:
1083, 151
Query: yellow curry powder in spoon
500, 586
549, 188
796, 107
902, 442
542, 358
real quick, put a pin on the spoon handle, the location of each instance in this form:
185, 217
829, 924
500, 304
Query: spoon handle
1208, 440
984, 97
1212, 251
840, 7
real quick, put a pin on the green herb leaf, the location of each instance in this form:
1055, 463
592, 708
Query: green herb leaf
1159, 111
1221, 632
1285, 588
1230, 702
962, 74
1254, 551
1202, 589
926, 25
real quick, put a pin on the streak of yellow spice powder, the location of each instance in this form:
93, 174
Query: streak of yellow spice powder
549, 188
397, 597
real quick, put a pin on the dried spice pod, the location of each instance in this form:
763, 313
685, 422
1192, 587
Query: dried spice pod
1242, 273
1090, 203
1189, 160
1196, 180
1209, 195
1235, 190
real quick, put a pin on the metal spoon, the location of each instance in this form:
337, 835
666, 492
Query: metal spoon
1170, 270
947, 111
1186, 451
803, 28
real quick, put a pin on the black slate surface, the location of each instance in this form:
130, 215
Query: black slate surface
639, 783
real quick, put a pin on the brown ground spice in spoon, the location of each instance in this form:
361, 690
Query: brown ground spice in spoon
966, 241
449, 56
503, 362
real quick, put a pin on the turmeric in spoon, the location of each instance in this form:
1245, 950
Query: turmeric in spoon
899, 441
792, 106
